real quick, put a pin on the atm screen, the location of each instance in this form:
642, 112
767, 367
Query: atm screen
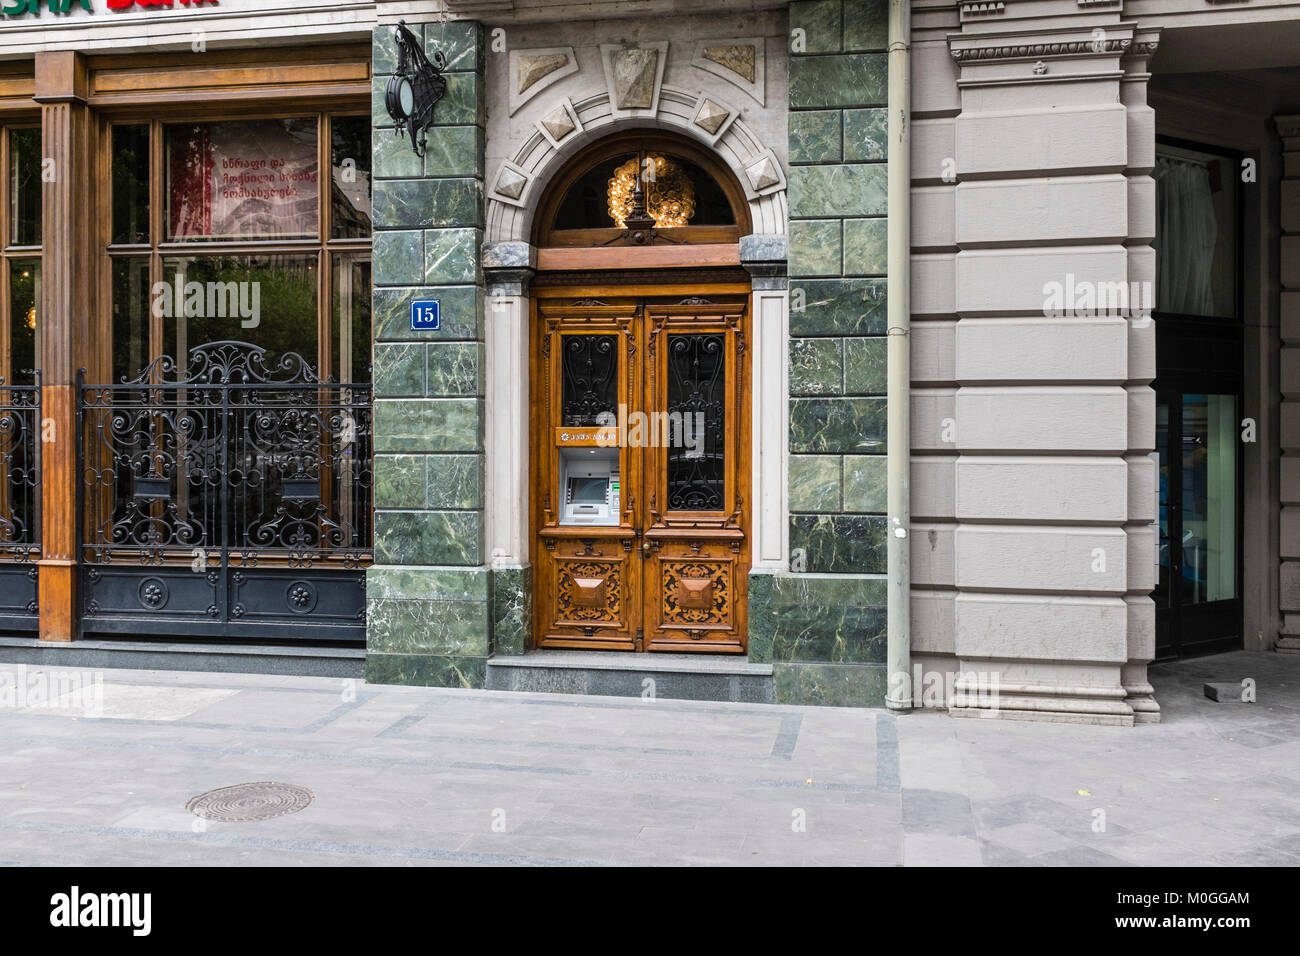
587, 491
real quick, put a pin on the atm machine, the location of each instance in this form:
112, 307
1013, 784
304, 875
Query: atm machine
589, 486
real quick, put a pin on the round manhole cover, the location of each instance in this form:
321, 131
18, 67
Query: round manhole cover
246, 802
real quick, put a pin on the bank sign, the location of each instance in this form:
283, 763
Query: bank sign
18, 8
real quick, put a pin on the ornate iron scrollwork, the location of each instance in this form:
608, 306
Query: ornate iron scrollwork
20, 409
241, 460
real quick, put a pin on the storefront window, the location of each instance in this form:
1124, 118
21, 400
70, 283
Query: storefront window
25, 187
24, 298
131, 184
247, 238
351, 351
130, 316
1196, 233
350, 186
269, 301
254, 179
20, 279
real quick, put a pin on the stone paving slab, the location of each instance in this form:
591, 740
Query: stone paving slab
425, 776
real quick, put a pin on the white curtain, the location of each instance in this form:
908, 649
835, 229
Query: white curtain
1185, 235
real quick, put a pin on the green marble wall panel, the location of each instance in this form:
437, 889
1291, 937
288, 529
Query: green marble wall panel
425, 670
428, 584
398, 257
453, 368
398, 370
823, 82
820, 22
838, 189
838, 544
830, 685
428, 424
400, 481
816, 483
461, 312
462, 104
392, 156
760, 600
455, 628
459, 41
821, 617
816, 367
816, 247
837, 307
843, 425
512, 609
815, 137
866, 135
430, 202
454, 482
865, 365
865, 247
455, 151
452, 256
430, 613
865, 486
866, 25
432, 537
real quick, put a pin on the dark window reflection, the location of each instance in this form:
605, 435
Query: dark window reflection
131, 184
350, 177
25, 187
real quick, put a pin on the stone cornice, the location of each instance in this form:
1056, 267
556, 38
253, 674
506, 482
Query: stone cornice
1118, 39
1036, 51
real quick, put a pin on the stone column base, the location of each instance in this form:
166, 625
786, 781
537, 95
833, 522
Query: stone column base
1057, 703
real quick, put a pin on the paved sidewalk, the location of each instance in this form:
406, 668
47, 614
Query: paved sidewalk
406, 775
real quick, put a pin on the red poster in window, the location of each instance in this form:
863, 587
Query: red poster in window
251, 180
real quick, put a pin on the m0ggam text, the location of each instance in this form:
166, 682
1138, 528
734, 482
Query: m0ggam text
1169, 897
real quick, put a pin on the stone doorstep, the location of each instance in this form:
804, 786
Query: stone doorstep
621, 674
170, 655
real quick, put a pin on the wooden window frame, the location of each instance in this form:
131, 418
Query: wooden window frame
619, 144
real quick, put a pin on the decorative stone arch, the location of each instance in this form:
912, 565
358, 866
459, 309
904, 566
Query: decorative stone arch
516, 188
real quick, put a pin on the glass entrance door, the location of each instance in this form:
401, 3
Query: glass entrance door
1198, 600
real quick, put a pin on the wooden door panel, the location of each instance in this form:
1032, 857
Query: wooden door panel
698, 588
696, 543
663, 578
591, 589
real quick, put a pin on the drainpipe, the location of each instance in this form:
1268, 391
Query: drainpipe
899, 294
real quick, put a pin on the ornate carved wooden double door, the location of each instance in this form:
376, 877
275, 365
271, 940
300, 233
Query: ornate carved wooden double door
640, 468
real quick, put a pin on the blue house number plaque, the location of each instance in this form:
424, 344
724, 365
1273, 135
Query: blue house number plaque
425, 315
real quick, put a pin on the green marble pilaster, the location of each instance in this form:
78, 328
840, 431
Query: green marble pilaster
430, 612
823, 623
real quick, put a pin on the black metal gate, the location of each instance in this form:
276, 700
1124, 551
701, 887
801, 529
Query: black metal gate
20, 505
230, 499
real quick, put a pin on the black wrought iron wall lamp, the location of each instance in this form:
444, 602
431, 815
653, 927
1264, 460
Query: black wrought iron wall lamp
415, 88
